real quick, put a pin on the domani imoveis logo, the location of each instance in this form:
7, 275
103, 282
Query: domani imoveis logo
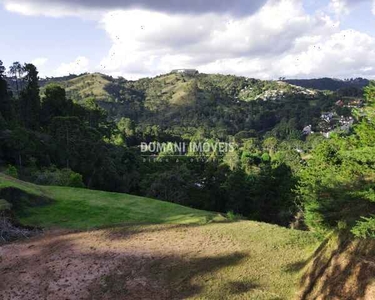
192, 149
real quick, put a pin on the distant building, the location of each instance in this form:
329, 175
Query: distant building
185, 71
355, 103
340, 103
327, 117
346, 123
307, 130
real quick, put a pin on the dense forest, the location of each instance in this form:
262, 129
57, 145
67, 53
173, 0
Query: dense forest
85, 131
330, 84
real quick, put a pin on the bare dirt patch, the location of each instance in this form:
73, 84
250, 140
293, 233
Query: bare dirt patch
340, 269
148, 262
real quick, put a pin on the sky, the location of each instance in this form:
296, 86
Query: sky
265, 39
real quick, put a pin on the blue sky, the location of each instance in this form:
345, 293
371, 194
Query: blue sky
360, 18
267, 39
58, 39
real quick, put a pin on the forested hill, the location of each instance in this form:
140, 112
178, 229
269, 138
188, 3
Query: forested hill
329, 84
222, 104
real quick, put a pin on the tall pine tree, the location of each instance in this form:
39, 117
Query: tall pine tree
30, 98
6, 109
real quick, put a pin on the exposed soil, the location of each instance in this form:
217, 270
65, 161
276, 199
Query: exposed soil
148, 262
342, 269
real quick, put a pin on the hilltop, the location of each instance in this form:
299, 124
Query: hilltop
174, 87
181, 103
176, 101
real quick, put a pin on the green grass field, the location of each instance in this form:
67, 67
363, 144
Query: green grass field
84, 209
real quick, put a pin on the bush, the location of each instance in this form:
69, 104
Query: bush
75, 180
365, 228
266, 157
11, 171
231, 216
57, 177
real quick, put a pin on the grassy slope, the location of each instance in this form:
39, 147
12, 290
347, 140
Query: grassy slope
272, 264
86, 86
263, 263
83, 209
173, 89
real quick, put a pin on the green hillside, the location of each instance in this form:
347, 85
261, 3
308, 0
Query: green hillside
82, 208
176, 89
83, 87
207, 99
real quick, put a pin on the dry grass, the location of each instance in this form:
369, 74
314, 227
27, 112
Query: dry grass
242, 260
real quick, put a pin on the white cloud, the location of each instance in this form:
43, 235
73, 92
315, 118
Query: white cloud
64, 7
340, 7
343, 7
39, 62
347, 53
56, 10
80, 65
149, 43
280, 39
344, 54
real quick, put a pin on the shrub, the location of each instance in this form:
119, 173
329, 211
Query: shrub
75, 180
57, 177
365, 228
233, 216
11, 171
266, 157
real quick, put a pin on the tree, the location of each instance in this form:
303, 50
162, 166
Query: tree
68, 133
232, 160
2, 70
20, 144
6, 108
173, 185
270, 144
55, 104
338, 183
16, 70
237, 189
95, 113
29, 98
126, 132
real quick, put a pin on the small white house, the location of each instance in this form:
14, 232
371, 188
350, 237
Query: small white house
185, 71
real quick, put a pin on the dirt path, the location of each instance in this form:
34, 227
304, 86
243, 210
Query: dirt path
149, 262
